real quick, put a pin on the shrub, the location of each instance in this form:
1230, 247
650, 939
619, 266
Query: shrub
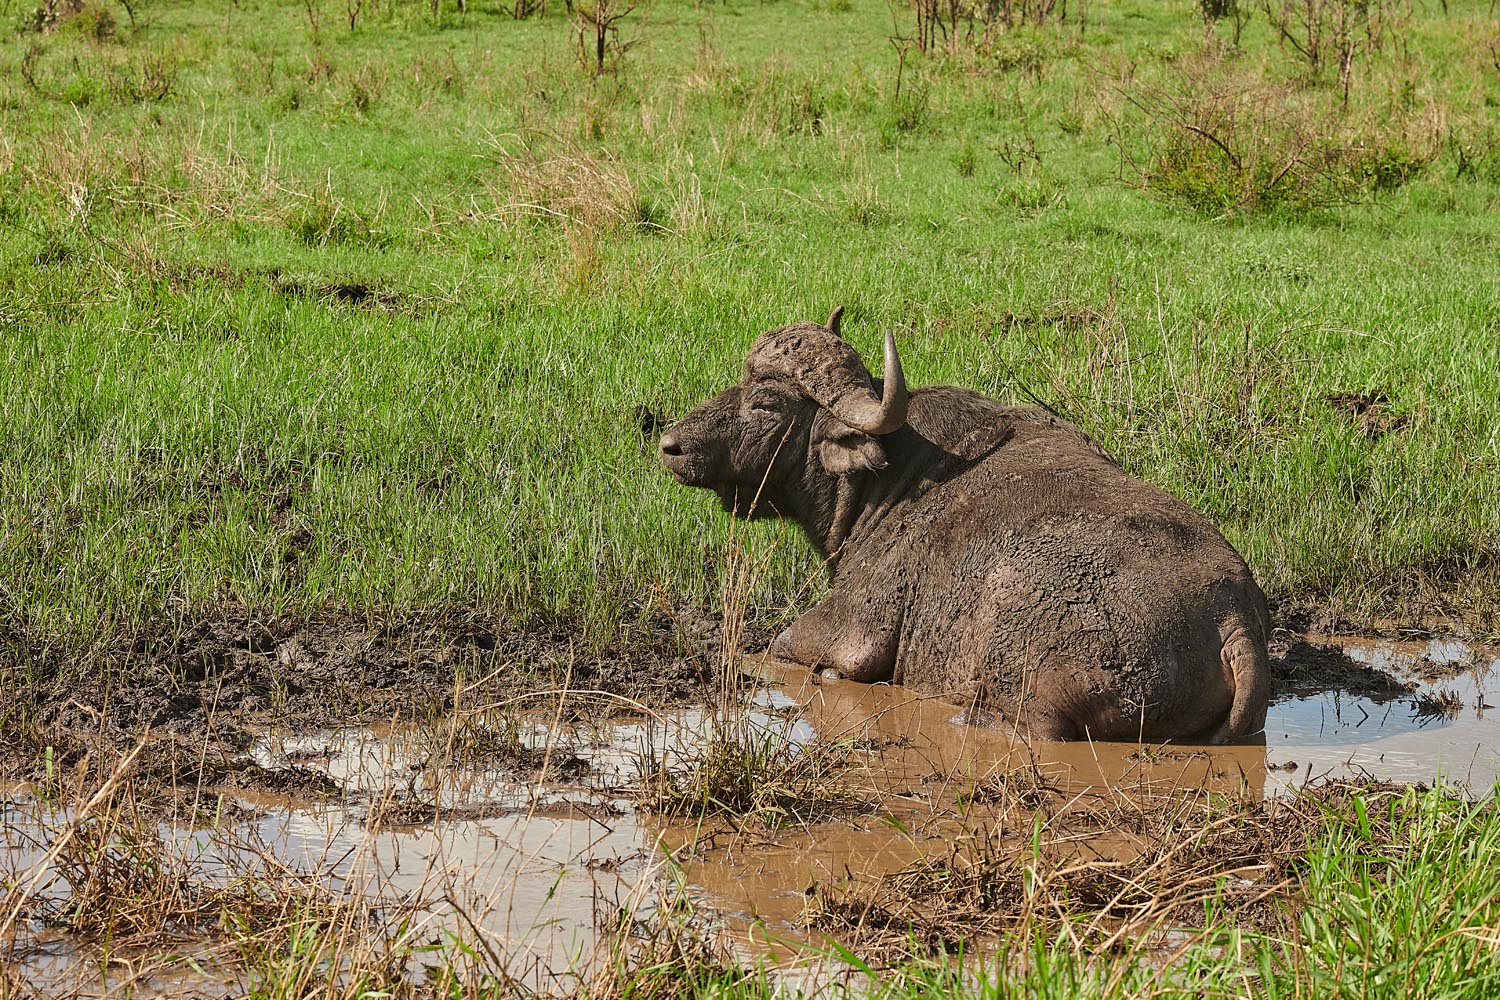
1222, 143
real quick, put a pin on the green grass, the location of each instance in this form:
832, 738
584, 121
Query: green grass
189, 418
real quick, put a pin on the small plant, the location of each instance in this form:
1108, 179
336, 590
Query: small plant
804, 109
150, 78
1028, 197
1444, 704
326, 220
931, 23
436, 9
1019, 153
92, 21
48, 15
1332, 34
966, 160
365, 88
1214, 11
907, 114
951, 24
862, 204
596, 27
747, 771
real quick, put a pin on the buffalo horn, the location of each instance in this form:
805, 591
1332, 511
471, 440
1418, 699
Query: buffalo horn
834, 318
861, 410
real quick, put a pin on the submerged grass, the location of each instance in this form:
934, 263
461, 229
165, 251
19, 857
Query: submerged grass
1121, 875
755, 775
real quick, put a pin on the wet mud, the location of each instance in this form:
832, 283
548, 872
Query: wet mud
201, 696
507, 807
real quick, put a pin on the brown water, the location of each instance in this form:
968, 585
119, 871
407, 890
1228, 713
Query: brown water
538, 868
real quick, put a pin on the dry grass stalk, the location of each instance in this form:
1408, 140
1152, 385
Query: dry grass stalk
573, 186
83, 168
1134, 868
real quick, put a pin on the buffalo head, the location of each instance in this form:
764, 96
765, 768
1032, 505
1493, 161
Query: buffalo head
807, 409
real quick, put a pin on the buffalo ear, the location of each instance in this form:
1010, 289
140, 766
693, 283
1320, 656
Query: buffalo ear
843, 451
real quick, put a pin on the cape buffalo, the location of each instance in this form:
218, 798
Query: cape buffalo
982, 552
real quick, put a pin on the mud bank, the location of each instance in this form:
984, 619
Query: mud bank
550, 831
202, 697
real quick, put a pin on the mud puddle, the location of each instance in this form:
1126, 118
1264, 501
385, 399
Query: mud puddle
547, 865
1437, 717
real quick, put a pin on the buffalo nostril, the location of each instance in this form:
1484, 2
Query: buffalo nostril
670, 444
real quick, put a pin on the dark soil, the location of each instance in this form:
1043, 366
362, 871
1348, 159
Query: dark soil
201, 696
1300, 667
415, 812
1370, 411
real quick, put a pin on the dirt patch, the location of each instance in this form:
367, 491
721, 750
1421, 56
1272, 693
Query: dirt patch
180, 276
356, 293
303, 784
1430, 616
806, 807
1069, 316
202, 695
1370, 411
1300, 666
411, 813
650, 423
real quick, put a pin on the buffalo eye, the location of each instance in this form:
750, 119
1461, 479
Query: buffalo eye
764, 405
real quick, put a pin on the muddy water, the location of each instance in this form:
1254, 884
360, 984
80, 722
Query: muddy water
538, 867
935, 781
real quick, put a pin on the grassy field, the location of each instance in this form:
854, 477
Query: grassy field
296, 316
